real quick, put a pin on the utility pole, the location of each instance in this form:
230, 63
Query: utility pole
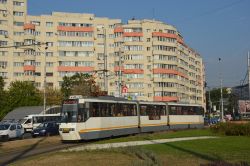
221, 93
248, 71
105, 77
210, 104
120, 73
44, 83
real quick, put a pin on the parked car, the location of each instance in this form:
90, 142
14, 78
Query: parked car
11, 130
211, 121
46, 129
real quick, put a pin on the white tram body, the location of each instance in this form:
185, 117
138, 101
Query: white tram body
93, 118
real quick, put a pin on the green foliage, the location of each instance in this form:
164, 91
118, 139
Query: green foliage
23, 93
53, 96
1, 84
232, 129
79, 84
20, 93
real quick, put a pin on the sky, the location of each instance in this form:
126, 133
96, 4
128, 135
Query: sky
214, 28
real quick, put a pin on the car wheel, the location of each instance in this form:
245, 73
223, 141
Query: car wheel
21, 136
47, 134
33, 136
7, 138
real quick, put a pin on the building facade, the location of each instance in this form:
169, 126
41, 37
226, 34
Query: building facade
149, 58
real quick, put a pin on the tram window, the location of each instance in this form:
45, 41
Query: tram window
143, 109
119, 110
112, 109
103, 109
94, 110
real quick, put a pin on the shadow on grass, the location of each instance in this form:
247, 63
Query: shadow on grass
192, 152
19, 155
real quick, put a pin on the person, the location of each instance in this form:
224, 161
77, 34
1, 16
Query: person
79, 119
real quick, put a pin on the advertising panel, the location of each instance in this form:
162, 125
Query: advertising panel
244, 106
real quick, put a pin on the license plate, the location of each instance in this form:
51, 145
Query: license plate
65, 130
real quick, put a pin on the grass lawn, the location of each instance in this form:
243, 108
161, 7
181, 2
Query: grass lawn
231, 149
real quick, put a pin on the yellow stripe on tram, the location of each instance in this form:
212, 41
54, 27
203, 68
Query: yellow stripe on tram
130, 126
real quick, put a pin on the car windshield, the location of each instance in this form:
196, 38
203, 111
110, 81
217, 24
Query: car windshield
4, 126
22, 121
43, 125
69, 112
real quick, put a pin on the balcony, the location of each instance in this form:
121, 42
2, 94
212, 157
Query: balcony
132, 34
75, 29
75, 68
29, 68
29, 26
166, 98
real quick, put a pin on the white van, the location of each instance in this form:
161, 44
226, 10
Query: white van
11, 130
31, 122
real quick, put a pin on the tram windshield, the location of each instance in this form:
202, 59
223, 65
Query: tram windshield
69, 111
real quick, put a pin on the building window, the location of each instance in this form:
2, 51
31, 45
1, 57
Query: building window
18, 53
49, 34
37, 23
16, 3
3, 64
3, 22
49, 24
49, 64
3, 74
50, 44
17, 74
49, 74
3, 43
16, 23
3, 32
37, 74
148, 48
3, 53
3, 1
18, 33
15, 13
49, 54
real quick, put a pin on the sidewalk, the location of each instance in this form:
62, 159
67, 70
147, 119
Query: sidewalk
132, 143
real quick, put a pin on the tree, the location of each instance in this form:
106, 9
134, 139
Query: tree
23, 93
2, 98
53, 96
215, 95
1, 84
80, 84
20, 93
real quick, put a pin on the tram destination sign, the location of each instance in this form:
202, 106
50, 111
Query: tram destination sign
70, 101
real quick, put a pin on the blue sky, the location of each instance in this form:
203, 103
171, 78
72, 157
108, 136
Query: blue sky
215, 28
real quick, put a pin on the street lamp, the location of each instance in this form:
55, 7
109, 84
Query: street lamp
105, 70
120, 73
44, 83
221, 93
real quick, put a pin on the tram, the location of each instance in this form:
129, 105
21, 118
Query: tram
101, 117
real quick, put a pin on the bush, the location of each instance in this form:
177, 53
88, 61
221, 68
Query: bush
232, 129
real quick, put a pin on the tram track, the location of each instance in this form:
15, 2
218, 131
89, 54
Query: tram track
33, 150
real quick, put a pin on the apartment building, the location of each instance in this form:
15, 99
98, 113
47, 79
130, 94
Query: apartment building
148, 57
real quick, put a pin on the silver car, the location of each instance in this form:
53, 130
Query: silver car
11, 130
